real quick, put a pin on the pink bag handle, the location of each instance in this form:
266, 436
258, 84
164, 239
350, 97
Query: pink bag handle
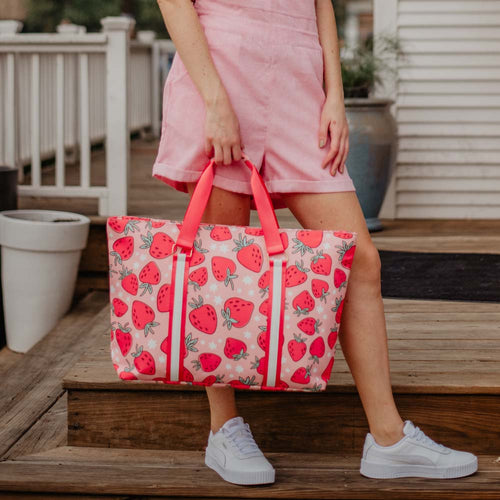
199, 200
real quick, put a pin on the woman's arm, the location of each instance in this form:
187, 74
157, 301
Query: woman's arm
186, 31
333, 115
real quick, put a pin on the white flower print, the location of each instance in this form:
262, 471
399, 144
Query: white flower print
136, 265
162, 358
247, 334
212, 345
218, 299
213, 287
239, 368
152, 343
228, 366
287, 370
250, 293
247, 280
143, 256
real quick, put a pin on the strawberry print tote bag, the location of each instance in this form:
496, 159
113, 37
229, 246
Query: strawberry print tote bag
205, 304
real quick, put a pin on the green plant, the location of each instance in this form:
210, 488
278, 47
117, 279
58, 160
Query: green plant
364, 67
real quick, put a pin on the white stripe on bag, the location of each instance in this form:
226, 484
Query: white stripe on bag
175, 341
275, 322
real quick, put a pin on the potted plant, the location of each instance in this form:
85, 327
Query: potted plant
373, 135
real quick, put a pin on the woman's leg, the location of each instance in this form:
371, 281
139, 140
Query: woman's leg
223, 207
362, 332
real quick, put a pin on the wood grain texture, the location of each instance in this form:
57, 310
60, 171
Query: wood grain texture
34, 383
173, 474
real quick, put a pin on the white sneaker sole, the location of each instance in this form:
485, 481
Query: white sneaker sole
380, 471
237, 477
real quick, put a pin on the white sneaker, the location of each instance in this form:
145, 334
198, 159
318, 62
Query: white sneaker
415, 455
233, 453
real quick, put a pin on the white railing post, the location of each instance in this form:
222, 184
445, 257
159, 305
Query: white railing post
117, 108
385, 21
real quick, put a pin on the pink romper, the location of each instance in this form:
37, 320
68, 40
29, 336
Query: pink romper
270, 61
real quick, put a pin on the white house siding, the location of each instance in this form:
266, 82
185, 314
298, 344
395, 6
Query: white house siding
447, 107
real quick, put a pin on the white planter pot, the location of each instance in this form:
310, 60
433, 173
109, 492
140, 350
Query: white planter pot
41, 252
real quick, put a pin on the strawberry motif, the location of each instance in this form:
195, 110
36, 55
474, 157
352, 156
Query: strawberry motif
243, 382
220, 233
144, 361
346, 253
339, 278
260, 364
129, 280
262, 338
119, 307
126, 375
254, 231
213, 379
317, 349
197, 257
303, 303
296, 274
235, 349
332, 337
264, 282
223, 270
123, 248
320, 289
149, 275
122, 224
297, 347
198, 278
237, 312
164, 345
143, 317
264, 307
321, 264
160, 245
163, 298
151, 223
309, 326
189, 345
186, 375
328, 371
301, 375
203, 316
306, 240
343, 234
339, 306
123, 338
207, 361
249, 254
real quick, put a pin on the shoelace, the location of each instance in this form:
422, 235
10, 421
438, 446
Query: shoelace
419, 435
242, 438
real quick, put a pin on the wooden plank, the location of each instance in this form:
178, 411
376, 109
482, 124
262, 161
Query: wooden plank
50, 431
295, 478
158, 419
34, 383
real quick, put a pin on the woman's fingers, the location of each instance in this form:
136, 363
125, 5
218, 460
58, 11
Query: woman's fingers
338, 157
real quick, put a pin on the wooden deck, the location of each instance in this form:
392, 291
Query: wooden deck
68, 424
69, 428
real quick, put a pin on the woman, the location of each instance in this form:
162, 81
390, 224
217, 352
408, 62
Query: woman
264, 75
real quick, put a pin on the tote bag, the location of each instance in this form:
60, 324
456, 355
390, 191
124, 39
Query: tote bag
210, 304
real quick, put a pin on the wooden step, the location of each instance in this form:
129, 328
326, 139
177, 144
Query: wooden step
445, 359
182, 474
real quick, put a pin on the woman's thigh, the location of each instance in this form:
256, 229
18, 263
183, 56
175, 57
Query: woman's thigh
225, 207
338, 211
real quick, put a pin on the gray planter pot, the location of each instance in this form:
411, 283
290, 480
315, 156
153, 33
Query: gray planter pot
373, 144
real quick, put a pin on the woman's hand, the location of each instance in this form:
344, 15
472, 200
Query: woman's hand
222, 131
333, 120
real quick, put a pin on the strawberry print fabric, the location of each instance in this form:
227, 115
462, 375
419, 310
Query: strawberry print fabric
226, 333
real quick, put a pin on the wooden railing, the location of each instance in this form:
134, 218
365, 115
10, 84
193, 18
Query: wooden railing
60, 94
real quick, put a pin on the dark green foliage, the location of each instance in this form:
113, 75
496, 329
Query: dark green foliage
45, 15
365, 68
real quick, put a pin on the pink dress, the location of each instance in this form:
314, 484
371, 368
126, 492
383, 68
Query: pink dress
269, 58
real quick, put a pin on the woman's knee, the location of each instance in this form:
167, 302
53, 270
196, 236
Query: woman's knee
366, 264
